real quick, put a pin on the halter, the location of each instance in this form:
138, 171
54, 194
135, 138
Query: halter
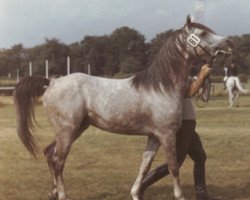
195, 41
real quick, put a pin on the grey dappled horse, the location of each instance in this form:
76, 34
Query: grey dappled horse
149, 103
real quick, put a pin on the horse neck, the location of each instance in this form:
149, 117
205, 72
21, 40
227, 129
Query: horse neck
173, 57
168, 71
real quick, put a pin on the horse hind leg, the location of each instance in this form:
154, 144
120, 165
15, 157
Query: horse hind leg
56, 161
48, 153
237, 98
148, 156
56, 154
230, 97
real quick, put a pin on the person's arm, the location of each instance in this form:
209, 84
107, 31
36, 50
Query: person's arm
195, 85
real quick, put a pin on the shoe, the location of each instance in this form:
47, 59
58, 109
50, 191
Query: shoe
206, 196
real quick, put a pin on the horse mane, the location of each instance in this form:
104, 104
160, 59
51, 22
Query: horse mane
167, 67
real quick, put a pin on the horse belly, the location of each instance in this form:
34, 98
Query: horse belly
135, 119
122, 123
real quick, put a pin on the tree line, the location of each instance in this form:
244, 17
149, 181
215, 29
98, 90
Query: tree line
124, 51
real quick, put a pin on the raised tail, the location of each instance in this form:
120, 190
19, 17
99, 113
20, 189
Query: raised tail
239, 86
25, 96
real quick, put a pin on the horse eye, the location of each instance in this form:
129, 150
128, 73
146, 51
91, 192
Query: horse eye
204, 33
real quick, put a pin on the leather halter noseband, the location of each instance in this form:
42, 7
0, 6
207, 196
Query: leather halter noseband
195, 41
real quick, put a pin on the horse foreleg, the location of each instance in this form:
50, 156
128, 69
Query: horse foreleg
237, 98
148, 156
168, 142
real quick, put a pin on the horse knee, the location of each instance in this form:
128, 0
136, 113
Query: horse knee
58, 159
173, 168
174, 172
57, 164
49, 149
54, 158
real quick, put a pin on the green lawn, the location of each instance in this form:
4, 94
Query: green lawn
103, 166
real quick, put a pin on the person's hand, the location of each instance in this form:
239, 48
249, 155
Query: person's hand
205, 70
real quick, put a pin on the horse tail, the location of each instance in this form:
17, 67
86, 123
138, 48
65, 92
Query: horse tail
239, 86
26, 94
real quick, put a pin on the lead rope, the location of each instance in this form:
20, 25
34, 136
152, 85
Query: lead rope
203, 95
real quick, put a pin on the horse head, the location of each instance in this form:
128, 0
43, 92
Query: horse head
201, 40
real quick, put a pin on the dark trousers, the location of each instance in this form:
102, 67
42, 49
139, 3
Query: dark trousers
188, 143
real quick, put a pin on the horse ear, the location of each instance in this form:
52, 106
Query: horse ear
188, 22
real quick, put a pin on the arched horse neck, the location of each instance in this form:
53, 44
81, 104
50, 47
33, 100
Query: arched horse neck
169, 68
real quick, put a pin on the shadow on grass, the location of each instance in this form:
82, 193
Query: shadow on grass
166, 193
230, 192
247, 105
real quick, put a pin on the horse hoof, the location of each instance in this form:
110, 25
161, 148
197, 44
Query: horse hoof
137, 197
52, 196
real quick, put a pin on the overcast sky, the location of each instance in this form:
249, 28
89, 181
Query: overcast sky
30, 21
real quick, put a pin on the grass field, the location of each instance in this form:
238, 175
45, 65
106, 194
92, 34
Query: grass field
103, 166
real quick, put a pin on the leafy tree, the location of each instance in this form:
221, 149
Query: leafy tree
124, 50
244, 52
112, 64
156, 43
56, 52
129, 43
94, 50
37, 56
130, 65
13, 59
76, 57
241, 52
